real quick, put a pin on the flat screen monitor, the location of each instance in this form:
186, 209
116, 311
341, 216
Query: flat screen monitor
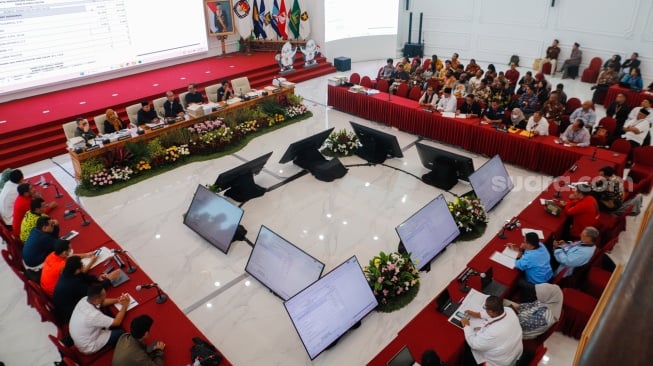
325, 310
309, 143
213, 218
428, 231
429, 154
281, 266
240, 180
377, 145
491, 182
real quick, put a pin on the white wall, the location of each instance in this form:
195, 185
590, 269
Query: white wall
492, 31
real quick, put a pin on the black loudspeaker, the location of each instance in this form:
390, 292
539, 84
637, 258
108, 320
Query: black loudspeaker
442, 176
329, 170
413, 49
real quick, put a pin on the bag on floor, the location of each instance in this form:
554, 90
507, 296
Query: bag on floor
204, 352
537, 63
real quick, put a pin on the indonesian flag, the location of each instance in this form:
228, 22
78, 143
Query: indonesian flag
294, 15
282, 20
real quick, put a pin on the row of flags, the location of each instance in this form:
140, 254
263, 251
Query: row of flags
276, 23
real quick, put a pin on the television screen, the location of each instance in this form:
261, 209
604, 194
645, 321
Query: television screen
428, 231
281, 266
309, 143
213, 218
325, 310
377, 145
491, 182
429, 154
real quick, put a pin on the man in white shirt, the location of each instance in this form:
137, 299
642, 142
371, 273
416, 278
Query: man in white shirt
576, 134
499, 341
448, 103
8, 196
89, 327
646, 104
637, 129
429, 98
538, 125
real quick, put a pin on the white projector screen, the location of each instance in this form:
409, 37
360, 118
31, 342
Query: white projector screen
360, 18
51, 41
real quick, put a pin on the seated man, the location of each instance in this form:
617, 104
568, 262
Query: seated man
573, 60
494, 113
473, 68
21, 206
570, 255
619, 110
586, 113
460, 87
527, 102
387, 72
526, 80
606, 78
482, 92
562, 96
401, 74
146, 114
113, 123
193, 96
454, 60
534, 260
37, 208
498, 341
538, 125
448, 102
8, 196
471, 108
632, 62
90, 328
40, 243
171, 107
73, 284
536, 317
225, 92
576, 134
132, 348
646, 104
635, 130
55, 262
513, 76
608, 189
582, 209
633, 80
553, 109
475, 81
430, 358
429, 98
83, 129
552, 53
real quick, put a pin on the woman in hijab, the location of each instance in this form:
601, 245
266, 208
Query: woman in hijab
538, 316
518, 119
113, 123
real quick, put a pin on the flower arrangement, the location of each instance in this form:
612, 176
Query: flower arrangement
296, 110
394, 280
143, 165
247, 127
276, 118
101, 178
469, 215
341, 143
121, 173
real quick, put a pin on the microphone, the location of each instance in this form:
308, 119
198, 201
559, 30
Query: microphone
130, 267
84, 221
118, 260
592, 158
160, 297
58, 195
502, 234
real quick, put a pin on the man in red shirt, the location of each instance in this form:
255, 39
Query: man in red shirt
513, 75
21, 206
583, 210
55, 262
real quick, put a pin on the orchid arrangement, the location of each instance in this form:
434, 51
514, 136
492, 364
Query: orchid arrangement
341, 143
468, 213
393, 279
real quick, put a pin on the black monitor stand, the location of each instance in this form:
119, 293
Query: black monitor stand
372, 152
244, 188
323, 169
308, 159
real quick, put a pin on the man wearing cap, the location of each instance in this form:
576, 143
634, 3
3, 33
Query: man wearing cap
635, 130
448, 103
146, 114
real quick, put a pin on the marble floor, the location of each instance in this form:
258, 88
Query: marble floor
355, 215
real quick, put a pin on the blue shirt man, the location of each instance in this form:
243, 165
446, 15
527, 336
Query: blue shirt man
534, 260
576, 254
40, 242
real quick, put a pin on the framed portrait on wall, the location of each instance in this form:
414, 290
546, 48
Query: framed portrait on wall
219, 17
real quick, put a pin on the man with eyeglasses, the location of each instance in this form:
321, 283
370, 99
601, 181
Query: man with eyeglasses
498, 342
193, 96
83, 129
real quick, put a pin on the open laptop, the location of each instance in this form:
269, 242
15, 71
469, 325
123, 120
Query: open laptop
403, 358
445, 305
491, 287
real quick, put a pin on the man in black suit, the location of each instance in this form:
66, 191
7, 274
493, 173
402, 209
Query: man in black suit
171, 107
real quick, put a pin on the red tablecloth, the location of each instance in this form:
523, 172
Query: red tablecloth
634, 99
513, 148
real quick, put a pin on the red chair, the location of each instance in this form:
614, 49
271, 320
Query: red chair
642, 183
610, 225
73, 353
591, 73
427, 63
546, 68
538, 356
572, 105
402, 90
596, 281
367, 82
609, 123
553, 129
621, 146
355, 78
533, 344
382, 85
378, 74
68, 362
577, 307
415, 93
556, 280
434, 83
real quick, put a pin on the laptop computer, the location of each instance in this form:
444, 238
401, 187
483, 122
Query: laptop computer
445, 305
491, 287
403, 358
122, 278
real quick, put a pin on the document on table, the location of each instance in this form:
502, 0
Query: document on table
474, 301
539, 233
449, 114
503, 259
132, 303
105, 254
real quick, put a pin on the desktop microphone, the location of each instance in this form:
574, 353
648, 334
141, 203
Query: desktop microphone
130, 267
160, 297
593, 157
502, 234
58, 195
119, 262
84, 221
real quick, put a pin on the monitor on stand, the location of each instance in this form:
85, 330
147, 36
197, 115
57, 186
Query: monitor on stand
376, 145
306, 154
239, 181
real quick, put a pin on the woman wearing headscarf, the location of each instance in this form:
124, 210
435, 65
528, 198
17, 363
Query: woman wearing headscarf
538, 316
113, 123
518, 119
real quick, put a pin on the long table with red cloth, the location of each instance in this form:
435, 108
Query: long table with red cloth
540, 153
171, 325
633, 98
430, 329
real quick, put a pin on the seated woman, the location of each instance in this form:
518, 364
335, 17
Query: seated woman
518, 119
538, 316
113, 123
633, 80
